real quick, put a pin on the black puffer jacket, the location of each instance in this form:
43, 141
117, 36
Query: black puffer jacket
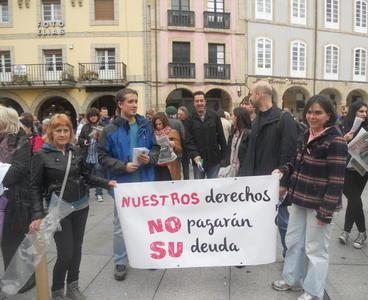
19, 208
47, 174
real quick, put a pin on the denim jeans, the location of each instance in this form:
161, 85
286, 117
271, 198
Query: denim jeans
99, 172
119, 250
210, 173
306, 261
282, 224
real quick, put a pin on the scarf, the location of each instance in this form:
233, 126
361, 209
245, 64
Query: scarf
163, 131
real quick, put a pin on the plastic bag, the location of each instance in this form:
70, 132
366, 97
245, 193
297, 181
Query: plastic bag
33, 247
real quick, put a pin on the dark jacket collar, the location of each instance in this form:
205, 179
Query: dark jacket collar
51, 148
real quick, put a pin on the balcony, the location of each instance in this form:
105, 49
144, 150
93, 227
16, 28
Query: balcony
37, 75
216, 20
181, 18
217, 71
102, 74
181, 70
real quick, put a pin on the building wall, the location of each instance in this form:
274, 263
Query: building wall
82, 35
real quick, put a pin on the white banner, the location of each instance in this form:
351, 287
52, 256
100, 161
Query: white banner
199, 223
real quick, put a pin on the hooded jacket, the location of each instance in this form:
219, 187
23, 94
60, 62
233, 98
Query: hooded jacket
317, 175
115, 151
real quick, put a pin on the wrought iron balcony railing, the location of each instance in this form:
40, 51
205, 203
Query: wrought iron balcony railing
181, 70
36, 74
216, 71
103, 72
216, 20
181, 18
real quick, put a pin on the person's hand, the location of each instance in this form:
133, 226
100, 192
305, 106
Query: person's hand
112, 184
349, 136
35, 225
278, 173
172, 144
131, 167
197, 159
86, 143
143, 159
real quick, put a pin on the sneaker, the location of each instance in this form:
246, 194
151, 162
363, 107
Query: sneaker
99, 198
58, 295
281, 285
73, 292
360, 239
306, 296
120, 272
343, 237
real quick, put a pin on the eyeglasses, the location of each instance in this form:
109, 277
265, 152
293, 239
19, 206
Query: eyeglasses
60, 131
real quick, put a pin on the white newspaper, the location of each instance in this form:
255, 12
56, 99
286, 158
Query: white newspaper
3, 170
358, 149
166, 152
357, 122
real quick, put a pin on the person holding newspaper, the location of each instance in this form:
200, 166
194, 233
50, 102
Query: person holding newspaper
354, 181
168, 167
59, 161
315, 190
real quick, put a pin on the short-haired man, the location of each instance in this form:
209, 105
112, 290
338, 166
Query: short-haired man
205, 140
104, 116
272, 143
129, 130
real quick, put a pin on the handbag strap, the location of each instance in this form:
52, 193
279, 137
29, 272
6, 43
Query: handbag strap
66, 174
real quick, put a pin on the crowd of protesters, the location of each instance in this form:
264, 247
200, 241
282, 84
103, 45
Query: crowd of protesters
258, 138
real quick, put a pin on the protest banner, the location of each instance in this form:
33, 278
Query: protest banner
198, 223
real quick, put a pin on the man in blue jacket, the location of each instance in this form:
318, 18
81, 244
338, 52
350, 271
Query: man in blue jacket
128, 131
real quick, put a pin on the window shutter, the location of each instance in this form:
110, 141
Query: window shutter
104, 10
181, 52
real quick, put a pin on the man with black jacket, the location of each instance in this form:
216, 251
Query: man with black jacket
205, 140
272, 144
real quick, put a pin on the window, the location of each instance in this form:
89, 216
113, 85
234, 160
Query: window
332, 14
53, 60
4, 11
361, 16
216, 54
298, 59
104, 10
51, 10
5, 63
106, 59
299, 12
264, 9
180, 4
263, 56
181, 52
216, 5
360, 64
331, 62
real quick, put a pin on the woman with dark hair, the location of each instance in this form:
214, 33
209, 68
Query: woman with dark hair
167, 170
48, 170
354, 182
315, 190
238, 140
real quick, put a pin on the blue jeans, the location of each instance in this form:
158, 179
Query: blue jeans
282, 223
211, 173
120, 255
306, 261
